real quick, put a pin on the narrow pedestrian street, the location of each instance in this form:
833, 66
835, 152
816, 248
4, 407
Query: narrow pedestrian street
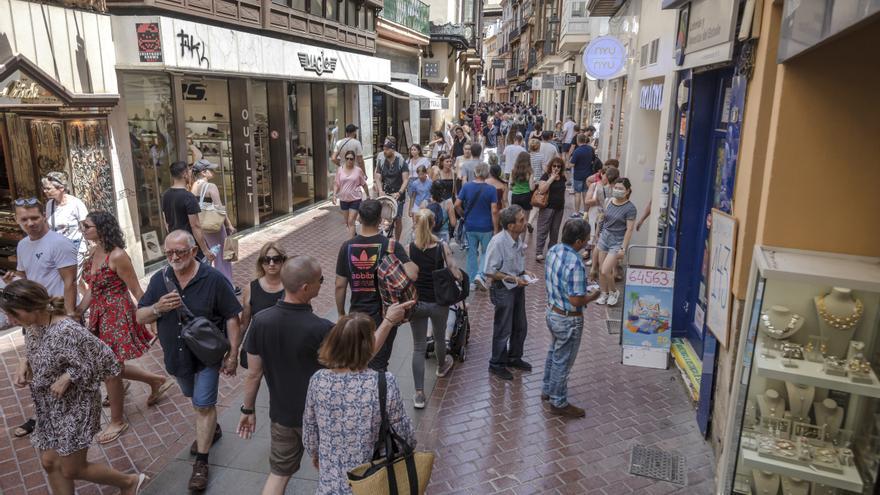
489, 436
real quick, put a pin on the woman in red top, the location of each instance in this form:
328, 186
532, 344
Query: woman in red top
112, 283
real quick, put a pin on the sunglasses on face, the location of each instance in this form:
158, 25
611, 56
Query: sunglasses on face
180, 253
349, 158
26, 201
86, 226
268, 260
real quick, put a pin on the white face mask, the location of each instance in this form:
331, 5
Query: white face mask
618, 193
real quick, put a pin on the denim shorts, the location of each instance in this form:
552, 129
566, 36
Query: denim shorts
350, 205
201, 387
579, 185
609, 243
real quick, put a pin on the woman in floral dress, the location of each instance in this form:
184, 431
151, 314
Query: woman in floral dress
112, 282
342, 417
64, 368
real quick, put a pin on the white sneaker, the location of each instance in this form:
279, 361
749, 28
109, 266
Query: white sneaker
603, 298
613, 297
419, 400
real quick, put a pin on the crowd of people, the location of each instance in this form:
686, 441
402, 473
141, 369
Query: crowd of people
483, 186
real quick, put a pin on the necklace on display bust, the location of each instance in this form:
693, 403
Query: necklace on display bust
795, 486
766, 483
800, 399
837, 321
795, 321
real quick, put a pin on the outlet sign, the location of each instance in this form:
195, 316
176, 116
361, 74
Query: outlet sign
604, 57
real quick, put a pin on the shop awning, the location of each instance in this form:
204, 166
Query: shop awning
428, 100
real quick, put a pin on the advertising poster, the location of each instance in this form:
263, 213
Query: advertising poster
149, 42
647, 317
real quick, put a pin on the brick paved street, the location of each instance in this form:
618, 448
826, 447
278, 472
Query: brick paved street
490, 436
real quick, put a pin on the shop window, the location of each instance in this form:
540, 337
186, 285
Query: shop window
206, 111
336, 122
260, 107
149, 105
351, 13
316, 7
299, 114
298, 5
371, 19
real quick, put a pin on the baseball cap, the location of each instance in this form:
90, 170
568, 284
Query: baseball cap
202, 164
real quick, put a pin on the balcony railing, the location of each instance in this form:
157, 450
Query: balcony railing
533, 59
453, 34
408, 13
514, 32
512, 72
500, 82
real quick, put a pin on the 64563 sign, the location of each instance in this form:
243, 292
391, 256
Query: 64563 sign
647, 316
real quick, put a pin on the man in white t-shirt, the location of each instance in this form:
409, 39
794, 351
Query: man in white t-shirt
44, 256
567, 134
349, 142
511, 151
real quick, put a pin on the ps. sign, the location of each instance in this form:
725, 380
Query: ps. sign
604, 57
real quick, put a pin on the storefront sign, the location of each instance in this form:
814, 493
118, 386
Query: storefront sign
604, 57
710, 30
19, 89
536, 83
194, 91
651, 97
149, 42
243, 154
431, 69
319, 64
572, 79
188, 44
499, 63
722, 245
647, 316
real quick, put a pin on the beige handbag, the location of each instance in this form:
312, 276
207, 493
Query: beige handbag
211, 217
230, 249
397, 471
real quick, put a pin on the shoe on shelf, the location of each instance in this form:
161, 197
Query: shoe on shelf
603, 298
501, 372
198, 482
446, 367
519, 364
569, 411
613, 297
419, 399
194, 448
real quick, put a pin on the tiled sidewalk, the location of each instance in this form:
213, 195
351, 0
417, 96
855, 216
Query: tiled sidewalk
490, 436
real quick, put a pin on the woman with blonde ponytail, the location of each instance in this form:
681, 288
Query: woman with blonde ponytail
64, 367
428, 253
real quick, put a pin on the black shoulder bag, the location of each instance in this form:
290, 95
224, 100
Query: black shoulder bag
448, 290
207, 342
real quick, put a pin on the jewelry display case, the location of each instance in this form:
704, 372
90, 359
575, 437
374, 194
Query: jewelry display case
806, 390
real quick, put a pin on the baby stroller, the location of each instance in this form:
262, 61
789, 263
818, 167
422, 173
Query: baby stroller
389, 213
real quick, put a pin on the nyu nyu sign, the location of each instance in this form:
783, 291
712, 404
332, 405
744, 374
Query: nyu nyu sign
604, 57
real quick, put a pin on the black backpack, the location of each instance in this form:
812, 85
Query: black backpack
437, 210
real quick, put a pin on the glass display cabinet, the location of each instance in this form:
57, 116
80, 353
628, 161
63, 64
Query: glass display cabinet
806, 393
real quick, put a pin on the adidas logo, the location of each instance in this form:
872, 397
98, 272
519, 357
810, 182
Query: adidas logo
364, 262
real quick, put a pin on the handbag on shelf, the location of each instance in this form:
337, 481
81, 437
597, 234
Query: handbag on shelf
206, 342
448, 290
399, 470
211, 217
230, 249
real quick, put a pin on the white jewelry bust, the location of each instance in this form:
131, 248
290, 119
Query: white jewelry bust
766, 483
795, 486
800, 399
780, 323
771, 404
830, 414
839, 303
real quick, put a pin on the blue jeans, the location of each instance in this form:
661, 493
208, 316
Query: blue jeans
474, 264
566, 332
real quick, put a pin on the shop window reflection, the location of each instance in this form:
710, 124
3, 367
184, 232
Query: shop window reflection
260, 108
335, 127
149, 107
300, 118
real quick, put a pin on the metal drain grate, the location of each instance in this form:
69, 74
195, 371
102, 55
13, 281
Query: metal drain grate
613, 326
658, 464
614, 312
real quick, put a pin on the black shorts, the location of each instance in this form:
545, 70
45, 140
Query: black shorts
523, 200
350, 205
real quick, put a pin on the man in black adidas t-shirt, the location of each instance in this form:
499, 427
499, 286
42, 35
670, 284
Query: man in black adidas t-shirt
356, 268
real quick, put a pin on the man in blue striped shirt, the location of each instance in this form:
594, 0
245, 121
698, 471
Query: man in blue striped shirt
566, 281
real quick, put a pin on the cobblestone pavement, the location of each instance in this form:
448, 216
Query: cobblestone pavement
490, 436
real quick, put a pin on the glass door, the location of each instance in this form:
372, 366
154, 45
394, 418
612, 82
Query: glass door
300, 118
260, 107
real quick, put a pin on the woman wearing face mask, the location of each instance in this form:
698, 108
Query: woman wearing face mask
617, 229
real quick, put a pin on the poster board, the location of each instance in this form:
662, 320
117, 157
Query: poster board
152, 248
646, 323
722, 252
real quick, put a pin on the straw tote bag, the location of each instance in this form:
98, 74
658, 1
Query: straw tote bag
211, 217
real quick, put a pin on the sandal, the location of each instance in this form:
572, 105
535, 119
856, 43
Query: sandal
25, 429
154, 397
112, 436
125, 385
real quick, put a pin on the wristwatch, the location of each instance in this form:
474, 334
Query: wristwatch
245, 410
